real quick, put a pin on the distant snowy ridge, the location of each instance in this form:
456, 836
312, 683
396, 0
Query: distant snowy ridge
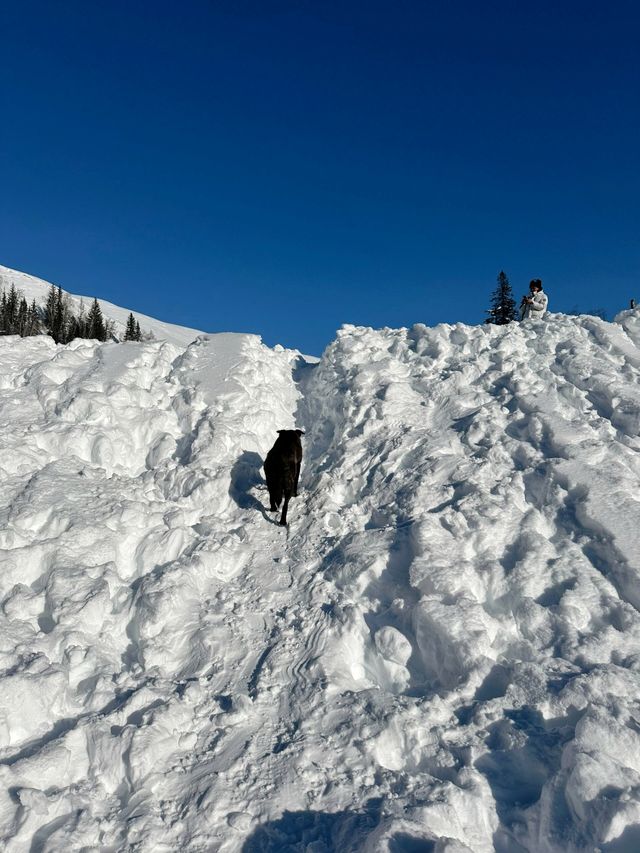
440, 653
38, 289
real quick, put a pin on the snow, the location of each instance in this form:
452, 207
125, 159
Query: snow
440, 653
36, 288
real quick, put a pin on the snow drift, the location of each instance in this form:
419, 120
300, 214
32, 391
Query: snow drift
440, 653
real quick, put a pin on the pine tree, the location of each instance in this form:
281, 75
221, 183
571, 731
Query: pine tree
50, 309
58, 316
95, 322
3, 313
138, 332
59, 326
21, 321
33, 320
130, 334
11, 316
503, 306
73, 329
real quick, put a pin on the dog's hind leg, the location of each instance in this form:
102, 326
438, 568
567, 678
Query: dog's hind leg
275, 495
285, 507
275, 500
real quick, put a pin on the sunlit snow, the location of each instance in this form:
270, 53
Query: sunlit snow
441, 652
36, 288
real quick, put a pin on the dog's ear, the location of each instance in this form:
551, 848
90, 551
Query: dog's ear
300, 432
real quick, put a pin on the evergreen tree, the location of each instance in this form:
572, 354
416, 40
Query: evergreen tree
503, 306
11, 317
95, 323
58, 326
50, 309
3, 313
61, 319
58, 316
138, 332
74, 329
130, 334
21, 321
33, 320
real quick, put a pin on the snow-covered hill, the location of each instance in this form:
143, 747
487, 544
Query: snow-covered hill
35, 288
441, 653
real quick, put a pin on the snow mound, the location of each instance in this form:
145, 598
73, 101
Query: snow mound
38, 289
439, 653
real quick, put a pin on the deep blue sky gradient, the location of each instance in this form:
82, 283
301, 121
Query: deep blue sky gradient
284, 167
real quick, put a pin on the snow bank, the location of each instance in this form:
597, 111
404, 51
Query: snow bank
441, 652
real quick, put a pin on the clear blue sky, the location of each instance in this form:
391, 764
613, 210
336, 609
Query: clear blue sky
284, 167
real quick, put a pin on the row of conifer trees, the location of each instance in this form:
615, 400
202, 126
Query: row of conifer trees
57, 319
16, 316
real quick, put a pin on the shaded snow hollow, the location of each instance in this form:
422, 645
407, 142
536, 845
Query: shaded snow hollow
440, 654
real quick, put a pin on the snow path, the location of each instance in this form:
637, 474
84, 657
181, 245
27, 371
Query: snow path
441, 652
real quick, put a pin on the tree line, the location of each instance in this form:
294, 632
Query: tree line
16, 317
57, 318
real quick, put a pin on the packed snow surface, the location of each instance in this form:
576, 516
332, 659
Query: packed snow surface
441, 652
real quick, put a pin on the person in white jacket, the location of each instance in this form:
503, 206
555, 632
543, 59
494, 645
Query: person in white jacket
534, 306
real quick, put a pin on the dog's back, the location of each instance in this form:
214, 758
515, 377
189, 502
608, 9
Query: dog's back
282, 469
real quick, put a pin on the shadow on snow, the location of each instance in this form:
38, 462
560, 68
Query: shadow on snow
328, 832
246, 474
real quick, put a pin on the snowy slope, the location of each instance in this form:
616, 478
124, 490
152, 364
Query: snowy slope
441, 652
36, 288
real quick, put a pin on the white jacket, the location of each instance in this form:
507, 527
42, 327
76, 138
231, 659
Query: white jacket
535, 310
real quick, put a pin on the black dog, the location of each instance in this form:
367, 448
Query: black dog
282, 467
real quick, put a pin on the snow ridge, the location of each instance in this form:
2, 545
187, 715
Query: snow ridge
38, 289
441, 650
